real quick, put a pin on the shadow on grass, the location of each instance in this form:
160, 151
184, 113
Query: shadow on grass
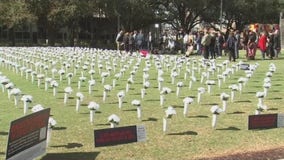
277, 85
198, 116
275, 91
249, 92
272, 109
130, 110
137, 94
178, 106
103, 124
229, 129
153, 100
69, 145
150, 119
117, 102
185, 133
2, 153
89, 112
84, 104
59, 128
243, 101
237, 112
276, 98
4, 133
71, 156
210, 104
63, 98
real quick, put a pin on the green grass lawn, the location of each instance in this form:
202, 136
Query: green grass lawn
190, 137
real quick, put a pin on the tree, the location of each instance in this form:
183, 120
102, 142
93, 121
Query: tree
13, 14
129, 14
185, 14
54, 15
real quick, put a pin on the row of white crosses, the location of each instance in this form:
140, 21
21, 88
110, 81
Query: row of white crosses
167, 62
15, 92
266, 85
27, 99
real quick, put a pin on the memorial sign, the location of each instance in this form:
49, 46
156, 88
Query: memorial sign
263, 121
27, 136
119, 135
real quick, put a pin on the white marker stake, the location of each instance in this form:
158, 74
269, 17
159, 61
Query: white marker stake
178, 90
139, 112
16, 100
104, 96
113, 83
77, 105
232, 96
127, 87
164, 125
54, 91
92, 116
48, 137
198, 97
65, 98
214, 120
185, 109
112, 125
25, 107
224, 105
161, 100
120, 101
142, 93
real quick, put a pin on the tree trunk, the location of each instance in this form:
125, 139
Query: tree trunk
12, 36
51, 33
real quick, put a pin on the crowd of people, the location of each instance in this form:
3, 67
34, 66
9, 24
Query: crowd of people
209, 43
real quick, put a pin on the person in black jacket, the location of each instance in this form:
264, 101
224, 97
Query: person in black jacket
231, 46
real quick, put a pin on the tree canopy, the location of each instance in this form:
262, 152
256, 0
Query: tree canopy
51, 15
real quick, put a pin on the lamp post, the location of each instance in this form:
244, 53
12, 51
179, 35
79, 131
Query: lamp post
221, 14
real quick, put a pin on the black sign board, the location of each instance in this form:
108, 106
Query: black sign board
120, 135
263, 121
27, 136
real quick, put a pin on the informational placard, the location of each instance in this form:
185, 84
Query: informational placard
245, 66
263, 121
120, 135
27, 136
280, 120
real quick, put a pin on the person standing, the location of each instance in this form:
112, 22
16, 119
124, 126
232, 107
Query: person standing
262, 44
126, 42
251, 45
185, 42
205, 42
231, 41
270, 50
237, 45
212, 46
135, 40
140, 40
119, 39
150, 41
220, 42
198, 42
131, 43
276, 39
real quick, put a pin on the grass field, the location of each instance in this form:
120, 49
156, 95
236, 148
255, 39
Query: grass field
190, 137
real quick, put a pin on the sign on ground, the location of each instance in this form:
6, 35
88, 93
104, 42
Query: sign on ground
120, 135
27, 136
